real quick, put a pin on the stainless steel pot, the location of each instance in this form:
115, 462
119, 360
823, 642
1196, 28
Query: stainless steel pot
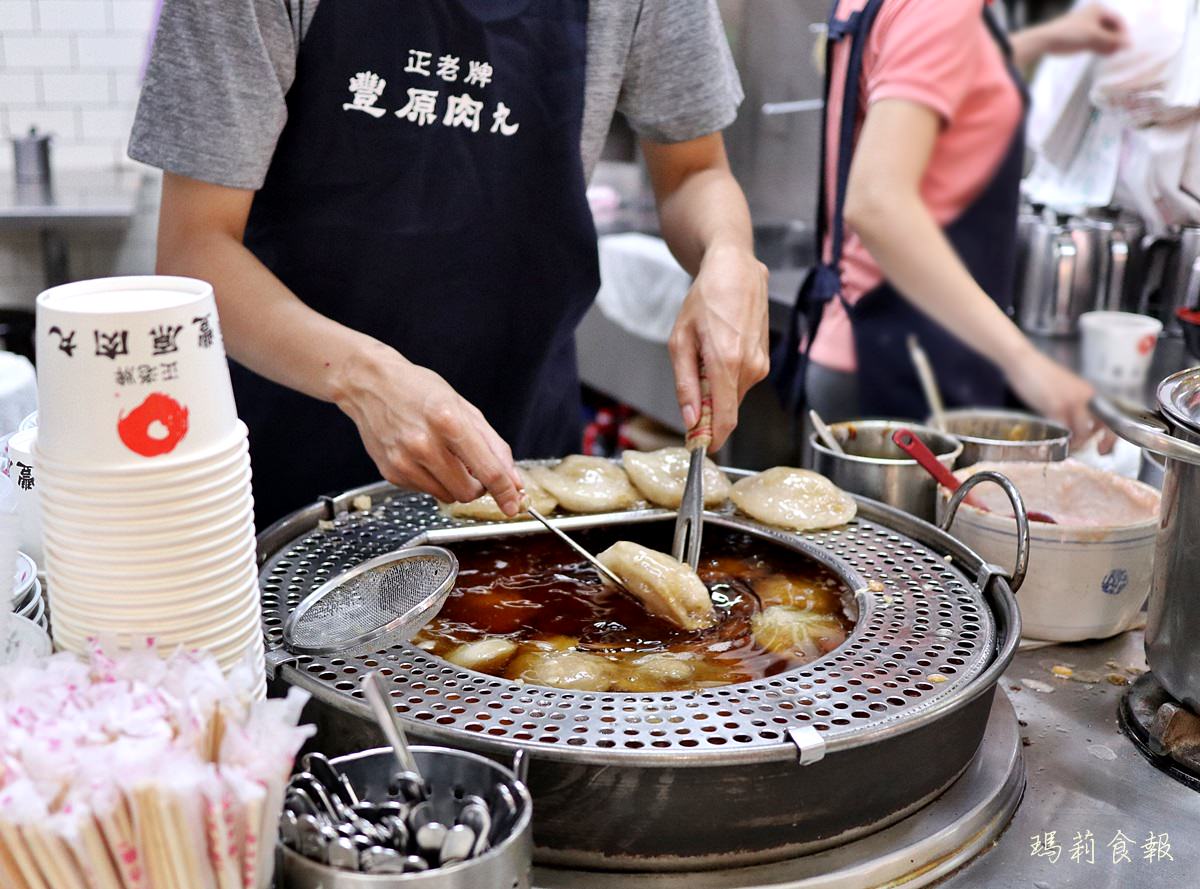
1173, 621
997, 436
618, 779
874, 467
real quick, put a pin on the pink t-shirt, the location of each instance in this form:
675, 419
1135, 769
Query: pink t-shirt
941, 54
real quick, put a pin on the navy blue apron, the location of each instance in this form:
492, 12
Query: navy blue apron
428, 190
984, 237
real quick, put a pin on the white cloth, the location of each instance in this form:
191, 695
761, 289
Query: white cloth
641, 285
18, 391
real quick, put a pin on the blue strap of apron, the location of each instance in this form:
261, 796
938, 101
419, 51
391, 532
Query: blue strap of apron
857, 26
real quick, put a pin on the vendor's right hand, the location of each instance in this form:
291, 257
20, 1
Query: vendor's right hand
1057, 393
424, 435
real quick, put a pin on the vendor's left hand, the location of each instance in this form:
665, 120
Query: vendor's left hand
723, 322
1090, 28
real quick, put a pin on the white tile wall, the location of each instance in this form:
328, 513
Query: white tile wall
72, 68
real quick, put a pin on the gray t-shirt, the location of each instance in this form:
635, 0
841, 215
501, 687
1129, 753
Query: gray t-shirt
213, 105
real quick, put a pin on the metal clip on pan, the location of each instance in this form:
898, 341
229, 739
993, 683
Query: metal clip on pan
1018, 504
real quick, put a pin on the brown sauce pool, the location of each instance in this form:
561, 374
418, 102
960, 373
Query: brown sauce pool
549, 621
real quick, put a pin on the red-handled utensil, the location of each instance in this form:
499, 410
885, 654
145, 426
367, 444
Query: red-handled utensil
908, 442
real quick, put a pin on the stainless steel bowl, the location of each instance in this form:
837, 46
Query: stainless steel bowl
874, 467
989, 435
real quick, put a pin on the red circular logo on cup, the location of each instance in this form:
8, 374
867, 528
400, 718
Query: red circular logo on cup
1146, 344
155, 426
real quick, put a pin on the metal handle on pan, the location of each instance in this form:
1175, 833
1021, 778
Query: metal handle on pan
1144, 429
1018, 504
1063, 278
1118, 260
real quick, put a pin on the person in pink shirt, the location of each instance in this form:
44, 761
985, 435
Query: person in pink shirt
923, 159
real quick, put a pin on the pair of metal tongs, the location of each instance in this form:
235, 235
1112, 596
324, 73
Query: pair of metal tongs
689, 526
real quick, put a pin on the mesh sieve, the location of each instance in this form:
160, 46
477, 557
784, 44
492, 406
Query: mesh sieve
386, 599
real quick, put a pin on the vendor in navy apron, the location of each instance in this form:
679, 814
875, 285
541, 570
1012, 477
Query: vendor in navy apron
924, 152
427, 195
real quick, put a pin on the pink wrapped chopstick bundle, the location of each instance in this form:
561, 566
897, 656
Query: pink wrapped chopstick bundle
141, 772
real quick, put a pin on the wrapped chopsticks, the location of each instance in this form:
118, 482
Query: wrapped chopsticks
141, 771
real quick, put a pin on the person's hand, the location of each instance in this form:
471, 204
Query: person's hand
1057, 393
423, 434
1091, 28
723, 322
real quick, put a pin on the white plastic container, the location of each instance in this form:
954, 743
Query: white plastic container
1083, 582
131, 371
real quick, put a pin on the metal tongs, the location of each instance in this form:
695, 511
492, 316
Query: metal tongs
689, 526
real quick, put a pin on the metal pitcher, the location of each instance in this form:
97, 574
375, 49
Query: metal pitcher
1115, 253
1048, 259
1173, 620
1172, 276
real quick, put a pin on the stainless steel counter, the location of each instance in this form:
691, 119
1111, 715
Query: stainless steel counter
1085, 775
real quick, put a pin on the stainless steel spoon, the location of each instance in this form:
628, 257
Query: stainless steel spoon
389, 723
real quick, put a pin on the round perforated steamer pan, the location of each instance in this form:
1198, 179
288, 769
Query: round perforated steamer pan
734, 775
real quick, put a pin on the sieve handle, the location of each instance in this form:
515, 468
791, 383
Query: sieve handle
1018, 504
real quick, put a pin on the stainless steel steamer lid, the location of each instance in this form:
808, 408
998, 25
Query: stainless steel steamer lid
1179, 398
925, 634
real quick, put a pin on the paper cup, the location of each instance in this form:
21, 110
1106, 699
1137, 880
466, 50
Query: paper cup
216, 600
68, 562
193, 575
131, 371
108, 553
85, 476
155, 531
165, 503
1118, 348
217, 626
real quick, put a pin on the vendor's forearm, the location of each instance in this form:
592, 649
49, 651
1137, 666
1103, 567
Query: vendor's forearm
700, 206
916, 258
265, 326
1030, 44
708, 211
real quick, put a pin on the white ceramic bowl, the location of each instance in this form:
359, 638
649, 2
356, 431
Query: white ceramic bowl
87, 602
130, 371
1083, 582
225, 628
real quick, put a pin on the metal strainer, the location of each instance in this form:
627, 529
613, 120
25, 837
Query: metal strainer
392, 596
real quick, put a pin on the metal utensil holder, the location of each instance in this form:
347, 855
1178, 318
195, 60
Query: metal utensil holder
451, 774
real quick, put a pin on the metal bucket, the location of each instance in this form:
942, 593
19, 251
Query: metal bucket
874, 467
448, 772
997, 436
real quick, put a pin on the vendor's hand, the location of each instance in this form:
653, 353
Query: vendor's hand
723, 321
1090, 28
423, 434
1057, 393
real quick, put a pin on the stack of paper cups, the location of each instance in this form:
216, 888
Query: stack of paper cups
144, 470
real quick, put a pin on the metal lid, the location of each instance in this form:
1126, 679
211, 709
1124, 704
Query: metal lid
1179, 398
